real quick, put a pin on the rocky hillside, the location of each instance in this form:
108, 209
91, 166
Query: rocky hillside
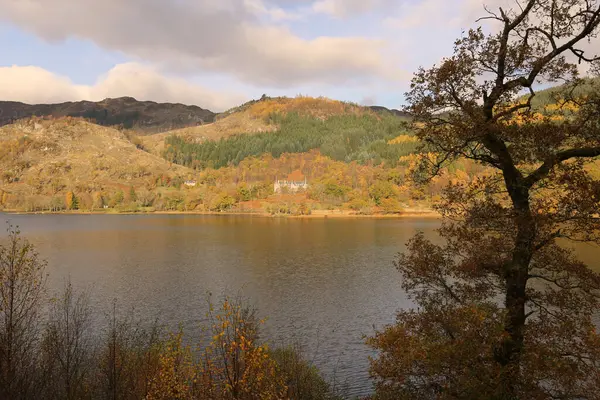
41, 160
124, 112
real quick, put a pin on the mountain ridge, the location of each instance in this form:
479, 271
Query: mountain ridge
146, 117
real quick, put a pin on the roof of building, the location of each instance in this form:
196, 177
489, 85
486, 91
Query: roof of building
295, 176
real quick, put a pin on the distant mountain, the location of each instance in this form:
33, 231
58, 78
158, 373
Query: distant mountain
397, 113
126, 112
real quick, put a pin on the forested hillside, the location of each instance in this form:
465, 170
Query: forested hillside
552, 95
363, 138
341, 131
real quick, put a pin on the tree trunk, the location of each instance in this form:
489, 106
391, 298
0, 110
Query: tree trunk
516, 274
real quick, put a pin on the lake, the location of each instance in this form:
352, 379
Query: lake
321, 283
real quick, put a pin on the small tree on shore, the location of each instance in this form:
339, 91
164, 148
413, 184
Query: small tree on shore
504, 311
71, 201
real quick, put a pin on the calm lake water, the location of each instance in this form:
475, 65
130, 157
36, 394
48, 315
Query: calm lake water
322, 283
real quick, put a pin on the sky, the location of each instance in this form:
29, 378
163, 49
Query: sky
220, 53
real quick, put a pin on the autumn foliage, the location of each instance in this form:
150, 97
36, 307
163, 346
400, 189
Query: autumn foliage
504, 308
320, 107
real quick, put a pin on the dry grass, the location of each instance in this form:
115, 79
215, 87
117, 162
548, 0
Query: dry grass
234, 124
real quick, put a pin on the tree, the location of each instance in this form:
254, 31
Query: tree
117, 198
501, 230
235, 364
127, 358
22, 288
66, 344
132, 195
382, 190
243, 192
222, 202
97, 200
71, 201
302, 379
57, 203
145, 198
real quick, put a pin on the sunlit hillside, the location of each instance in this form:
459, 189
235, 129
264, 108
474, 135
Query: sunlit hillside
342, 131
256, 117
356, 159
43, 159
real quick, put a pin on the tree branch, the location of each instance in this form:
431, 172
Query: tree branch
548, 165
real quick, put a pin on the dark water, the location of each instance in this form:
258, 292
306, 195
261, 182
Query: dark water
322, 283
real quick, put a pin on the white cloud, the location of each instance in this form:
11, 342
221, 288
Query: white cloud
431, 14
444, 14
34, 84
345, 8
30, 84
258, 7
224, 36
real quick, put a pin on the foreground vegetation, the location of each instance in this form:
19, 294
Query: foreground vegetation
50, 349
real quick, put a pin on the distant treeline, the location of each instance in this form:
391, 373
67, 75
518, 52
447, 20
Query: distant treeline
362, 138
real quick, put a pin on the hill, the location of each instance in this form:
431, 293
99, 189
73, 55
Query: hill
41, 160
124, 112
397, 113
549, 96
262, 116
342, 131
242, 122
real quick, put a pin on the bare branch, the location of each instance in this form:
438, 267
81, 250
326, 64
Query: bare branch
518, 107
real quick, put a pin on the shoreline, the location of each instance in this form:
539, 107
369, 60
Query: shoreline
319, 214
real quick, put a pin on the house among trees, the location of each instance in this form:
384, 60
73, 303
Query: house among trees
294, 182
189, 183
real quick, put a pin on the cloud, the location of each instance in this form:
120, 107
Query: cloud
275, 13
31, 84
430, 14
345, 8
226, 36
444, 14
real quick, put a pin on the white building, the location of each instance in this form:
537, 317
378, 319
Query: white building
294, 182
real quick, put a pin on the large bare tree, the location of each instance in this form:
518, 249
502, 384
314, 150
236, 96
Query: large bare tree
505, 309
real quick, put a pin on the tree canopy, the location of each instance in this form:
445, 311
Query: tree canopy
504, 307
